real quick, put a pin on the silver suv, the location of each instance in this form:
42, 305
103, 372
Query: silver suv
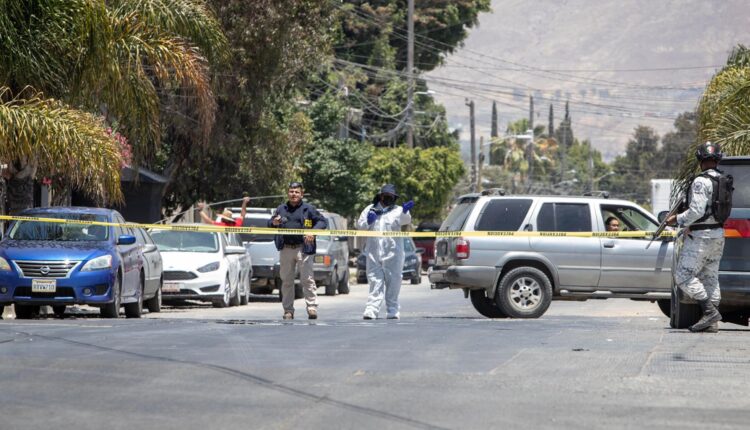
519, 276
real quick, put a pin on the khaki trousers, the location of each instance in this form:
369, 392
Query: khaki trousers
290, 259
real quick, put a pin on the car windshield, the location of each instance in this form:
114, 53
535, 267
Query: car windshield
256, 222
33, 230
185, 241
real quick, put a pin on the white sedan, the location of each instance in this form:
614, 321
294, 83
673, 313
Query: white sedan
199, 266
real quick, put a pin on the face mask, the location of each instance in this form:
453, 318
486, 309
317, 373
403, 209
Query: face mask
388, 200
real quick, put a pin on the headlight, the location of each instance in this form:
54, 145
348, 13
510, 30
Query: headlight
4, 266
98, 263
211, 267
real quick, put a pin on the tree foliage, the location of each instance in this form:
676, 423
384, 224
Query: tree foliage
112, 58
426, 176
261, 131
333, 175
723, 112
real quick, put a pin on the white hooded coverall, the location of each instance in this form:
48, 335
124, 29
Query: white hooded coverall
385, 259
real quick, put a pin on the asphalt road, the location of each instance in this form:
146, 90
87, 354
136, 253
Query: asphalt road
597, 364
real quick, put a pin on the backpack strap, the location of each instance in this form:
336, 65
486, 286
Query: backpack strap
710, 208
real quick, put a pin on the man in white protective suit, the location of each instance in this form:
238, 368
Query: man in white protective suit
385, 255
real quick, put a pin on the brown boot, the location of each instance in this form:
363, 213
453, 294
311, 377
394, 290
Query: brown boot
710, 316
288, 315
312, 313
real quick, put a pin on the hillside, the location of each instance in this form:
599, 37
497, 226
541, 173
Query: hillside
619, 64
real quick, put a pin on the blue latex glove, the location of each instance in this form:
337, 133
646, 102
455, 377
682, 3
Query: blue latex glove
408, 205
371, 217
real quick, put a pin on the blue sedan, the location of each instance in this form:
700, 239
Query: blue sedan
60, 264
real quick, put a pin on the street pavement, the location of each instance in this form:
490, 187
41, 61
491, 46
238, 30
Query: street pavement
595, 364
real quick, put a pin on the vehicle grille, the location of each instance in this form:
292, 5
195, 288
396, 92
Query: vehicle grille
178, 275
62, 292
53, 269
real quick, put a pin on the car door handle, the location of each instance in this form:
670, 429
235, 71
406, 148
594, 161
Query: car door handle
609, 244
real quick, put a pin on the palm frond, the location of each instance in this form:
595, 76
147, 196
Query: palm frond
45, 43
64, 141
724, 118
149, 61
192, 20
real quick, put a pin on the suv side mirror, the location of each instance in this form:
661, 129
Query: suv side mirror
342, 238
420, 251
662, 215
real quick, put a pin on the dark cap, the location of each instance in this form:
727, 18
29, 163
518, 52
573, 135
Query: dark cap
389, 189
295, 184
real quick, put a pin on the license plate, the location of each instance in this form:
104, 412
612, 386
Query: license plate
431, 261
171, 287
43, 285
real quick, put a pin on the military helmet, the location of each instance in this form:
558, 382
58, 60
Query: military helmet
709, 151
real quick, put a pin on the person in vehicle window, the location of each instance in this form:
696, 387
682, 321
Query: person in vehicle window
226, 217
385, 255
612, 224
297, 250
697, 272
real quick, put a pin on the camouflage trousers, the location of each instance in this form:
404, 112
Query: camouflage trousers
697, 272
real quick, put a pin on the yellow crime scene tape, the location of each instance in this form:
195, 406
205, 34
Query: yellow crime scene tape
349, 233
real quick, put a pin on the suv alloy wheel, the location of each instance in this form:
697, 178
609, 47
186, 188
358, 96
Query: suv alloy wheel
524, 292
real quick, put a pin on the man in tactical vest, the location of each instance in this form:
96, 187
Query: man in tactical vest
297, 251
697, 272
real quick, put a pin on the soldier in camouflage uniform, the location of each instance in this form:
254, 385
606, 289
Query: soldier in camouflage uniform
697, 272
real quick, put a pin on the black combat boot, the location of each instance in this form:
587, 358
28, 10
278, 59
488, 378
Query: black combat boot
711, 315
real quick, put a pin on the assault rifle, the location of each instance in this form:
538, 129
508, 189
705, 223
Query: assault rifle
674, 211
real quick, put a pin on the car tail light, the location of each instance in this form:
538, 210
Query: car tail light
737, 228
323, 259
462, 248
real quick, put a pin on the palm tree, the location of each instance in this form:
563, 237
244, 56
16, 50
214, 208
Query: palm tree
723, 113
114, 59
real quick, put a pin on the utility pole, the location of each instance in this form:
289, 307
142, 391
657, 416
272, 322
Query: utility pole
470, 104
343, 92
531, 112
591, 169
410, 71
481, 162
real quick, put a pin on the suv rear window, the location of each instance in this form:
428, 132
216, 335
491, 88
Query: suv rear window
458, 215
564, 217
503, 215
741, 174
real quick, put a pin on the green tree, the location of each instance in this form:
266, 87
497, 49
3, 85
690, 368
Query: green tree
333, 175
635, 169
723, 112
262, 129
111, 58
426, 176
370, 53
675, 145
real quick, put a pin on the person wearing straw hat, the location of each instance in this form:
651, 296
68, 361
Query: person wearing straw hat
226, 218
385, 255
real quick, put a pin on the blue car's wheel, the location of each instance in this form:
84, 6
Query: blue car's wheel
112, 310
134, 310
